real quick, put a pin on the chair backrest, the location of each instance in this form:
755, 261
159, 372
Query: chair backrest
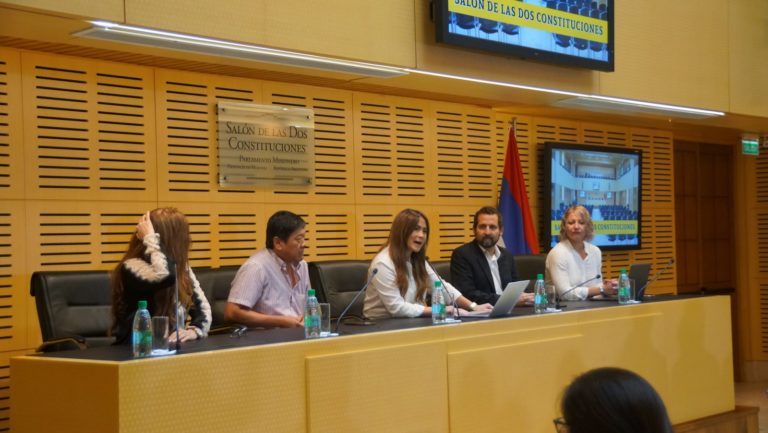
528, 265
337, 282
74, 304
443, 268
216, 283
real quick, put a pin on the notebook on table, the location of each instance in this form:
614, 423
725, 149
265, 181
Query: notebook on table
506, 302
638, 272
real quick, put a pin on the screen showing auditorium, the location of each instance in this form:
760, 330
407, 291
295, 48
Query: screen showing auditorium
577, 33
605, 180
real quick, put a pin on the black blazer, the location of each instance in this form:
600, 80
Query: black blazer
471, 275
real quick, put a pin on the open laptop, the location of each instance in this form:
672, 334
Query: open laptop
506, 302
638, 272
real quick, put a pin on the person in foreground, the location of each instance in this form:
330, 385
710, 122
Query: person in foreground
270, 288
481, 269
574, 264
612, 400
404, 278
148, 271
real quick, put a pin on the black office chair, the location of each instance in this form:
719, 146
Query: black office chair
337, 282
73, 308
216, 283
528, 266
443, 268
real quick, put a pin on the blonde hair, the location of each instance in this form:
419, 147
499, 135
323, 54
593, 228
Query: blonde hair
583, 213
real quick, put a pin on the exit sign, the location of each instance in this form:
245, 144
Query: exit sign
750, 146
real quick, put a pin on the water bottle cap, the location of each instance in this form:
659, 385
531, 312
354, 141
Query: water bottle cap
311, 292
142, 305
539, 276
622, 271
438, 283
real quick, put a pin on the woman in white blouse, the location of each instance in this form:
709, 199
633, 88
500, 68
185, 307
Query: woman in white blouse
404, 278
574, 265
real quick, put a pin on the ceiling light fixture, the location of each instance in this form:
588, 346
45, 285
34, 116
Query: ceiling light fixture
195, 44
594, 102
180, 42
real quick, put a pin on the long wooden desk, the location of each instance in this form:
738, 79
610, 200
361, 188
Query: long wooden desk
497, 375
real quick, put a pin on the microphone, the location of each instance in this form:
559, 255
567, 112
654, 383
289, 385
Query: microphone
178, 310
558, 297
177, 307
365, 286
641, 292
450, 295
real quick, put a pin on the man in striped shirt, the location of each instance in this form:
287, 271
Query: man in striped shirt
270, 288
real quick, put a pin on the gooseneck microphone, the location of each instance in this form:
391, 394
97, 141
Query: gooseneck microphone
641, 292
365, 286
176, 306
450, 295
559, 297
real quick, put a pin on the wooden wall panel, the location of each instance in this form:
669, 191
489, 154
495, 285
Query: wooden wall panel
330, 231
464, 154
79, 235
187, 148
88, 131
333, 143
14, 294
11, 132
391, 142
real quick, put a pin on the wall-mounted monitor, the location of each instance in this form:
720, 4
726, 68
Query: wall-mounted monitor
570, 32
605, 180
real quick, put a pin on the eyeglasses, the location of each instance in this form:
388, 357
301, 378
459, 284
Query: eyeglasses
560, 425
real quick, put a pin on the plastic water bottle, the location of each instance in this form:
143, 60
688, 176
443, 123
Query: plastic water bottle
438, 303
540, 295
142, 332
625, 292
311, 316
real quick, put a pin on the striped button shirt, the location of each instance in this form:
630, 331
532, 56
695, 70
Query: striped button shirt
263, 284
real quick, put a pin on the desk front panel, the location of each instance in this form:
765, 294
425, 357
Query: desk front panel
483, 375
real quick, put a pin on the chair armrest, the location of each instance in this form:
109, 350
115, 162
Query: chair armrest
64, 343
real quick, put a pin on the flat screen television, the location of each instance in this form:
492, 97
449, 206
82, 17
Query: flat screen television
605, 180
569, 32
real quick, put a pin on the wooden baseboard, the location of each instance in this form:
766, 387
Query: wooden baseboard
743, 419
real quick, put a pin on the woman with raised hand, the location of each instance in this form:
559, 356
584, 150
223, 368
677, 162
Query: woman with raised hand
404, 278
148, 271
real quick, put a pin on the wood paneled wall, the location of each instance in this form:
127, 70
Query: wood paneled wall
87, 146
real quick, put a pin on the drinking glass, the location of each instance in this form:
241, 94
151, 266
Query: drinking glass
325, 319
160, 333
551, 297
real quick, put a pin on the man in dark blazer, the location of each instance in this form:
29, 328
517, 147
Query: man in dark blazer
475, 265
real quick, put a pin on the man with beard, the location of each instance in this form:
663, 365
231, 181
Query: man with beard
481, 269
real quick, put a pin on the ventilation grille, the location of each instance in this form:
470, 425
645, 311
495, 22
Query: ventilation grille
89, 129
11, 161
391, 149
464, 153
333, 141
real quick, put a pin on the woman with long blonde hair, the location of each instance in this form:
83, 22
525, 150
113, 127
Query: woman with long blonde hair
404, 278
157, 249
